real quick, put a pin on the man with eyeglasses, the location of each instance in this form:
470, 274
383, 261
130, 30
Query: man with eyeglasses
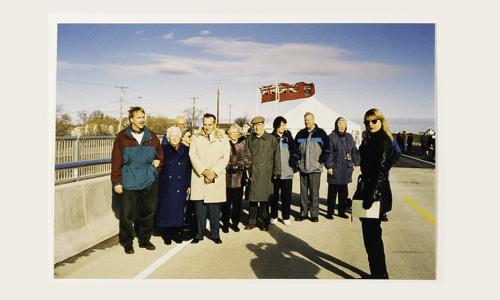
314, 147
265, 164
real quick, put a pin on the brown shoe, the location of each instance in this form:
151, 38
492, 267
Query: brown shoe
129, 249
148, 245
249, 227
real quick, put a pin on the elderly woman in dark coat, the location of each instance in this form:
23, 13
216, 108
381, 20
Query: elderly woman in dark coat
376, 160
173, 187
340, 165
239, 161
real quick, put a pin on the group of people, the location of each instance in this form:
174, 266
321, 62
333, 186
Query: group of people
405, 141
205, 174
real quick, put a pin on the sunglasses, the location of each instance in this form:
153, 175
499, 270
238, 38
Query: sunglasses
367, 122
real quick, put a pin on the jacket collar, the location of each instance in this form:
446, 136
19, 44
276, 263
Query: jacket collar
216, 134
264, 136
147, 134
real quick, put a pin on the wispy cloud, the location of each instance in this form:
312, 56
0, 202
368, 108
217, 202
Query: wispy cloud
138, 32
244, 58
205, 32
168, 36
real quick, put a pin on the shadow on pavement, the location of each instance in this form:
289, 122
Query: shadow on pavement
109, 243
292, 258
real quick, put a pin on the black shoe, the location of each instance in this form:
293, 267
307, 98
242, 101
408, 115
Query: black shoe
225, 229
178, 240
314, 219
129, 249
217, 241
299, 218
167, 241
249, 227
264, 228
343, 215
384, 218
328, 216
147, 245
235, 228
195, 241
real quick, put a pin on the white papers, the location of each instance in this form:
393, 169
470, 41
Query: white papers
359, 212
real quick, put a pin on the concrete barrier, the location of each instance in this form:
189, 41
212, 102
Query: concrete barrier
82, 216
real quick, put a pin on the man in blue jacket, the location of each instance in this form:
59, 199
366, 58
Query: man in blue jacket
313, 145
136, 161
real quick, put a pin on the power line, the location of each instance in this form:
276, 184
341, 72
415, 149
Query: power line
86, 82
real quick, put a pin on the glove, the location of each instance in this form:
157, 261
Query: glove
367, 204
376, 195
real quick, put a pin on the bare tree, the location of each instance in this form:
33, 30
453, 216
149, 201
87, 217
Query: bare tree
82, 116
198, 116
242, 121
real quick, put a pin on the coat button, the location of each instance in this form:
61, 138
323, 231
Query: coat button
179, 164
169, 176
177, 191
179, 177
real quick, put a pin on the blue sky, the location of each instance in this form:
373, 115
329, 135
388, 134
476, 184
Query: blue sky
354, 66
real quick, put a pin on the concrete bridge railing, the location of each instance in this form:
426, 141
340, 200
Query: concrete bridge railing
83, 216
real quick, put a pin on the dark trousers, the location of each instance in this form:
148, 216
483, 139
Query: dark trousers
372, 237
137, 211
169, 233
213, 210
232, 207
333, 190
258, 210
285, 187
309, 194
190, 220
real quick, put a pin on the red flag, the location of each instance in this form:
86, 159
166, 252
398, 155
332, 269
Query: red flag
286, 91
267, 93
297, 91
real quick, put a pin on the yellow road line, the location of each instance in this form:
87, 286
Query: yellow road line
420, 210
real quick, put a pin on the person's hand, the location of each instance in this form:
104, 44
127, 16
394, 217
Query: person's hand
209, 173
118, 189
329, 171
156, 163
188, 191
367, 204
208, 180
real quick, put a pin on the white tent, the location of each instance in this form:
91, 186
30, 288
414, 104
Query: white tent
323, 115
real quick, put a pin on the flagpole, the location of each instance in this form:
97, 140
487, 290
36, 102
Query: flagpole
277, 99
257, 103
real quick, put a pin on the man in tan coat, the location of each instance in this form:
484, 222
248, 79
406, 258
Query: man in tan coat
209, 153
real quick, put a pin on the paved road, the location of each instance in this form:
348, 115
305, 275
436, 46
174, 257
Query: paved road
328, 249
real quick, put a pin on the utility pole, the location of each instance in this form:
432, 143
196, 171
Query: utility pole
218, 96
229, 113
122, 91
192, 118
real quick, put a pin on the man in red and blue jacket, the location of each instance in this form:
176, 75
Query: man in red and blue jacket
136, 161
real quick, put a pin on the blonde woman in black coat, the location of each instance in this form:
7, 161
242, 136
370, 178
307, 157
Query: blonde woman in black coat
376, 160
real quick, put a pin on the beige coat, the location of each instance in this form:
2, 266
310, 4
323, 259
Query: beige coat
210, 154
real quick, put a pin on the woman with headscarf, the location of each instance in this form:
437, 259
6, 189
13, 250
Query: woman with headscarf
340, 165
173, 187
376, 160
